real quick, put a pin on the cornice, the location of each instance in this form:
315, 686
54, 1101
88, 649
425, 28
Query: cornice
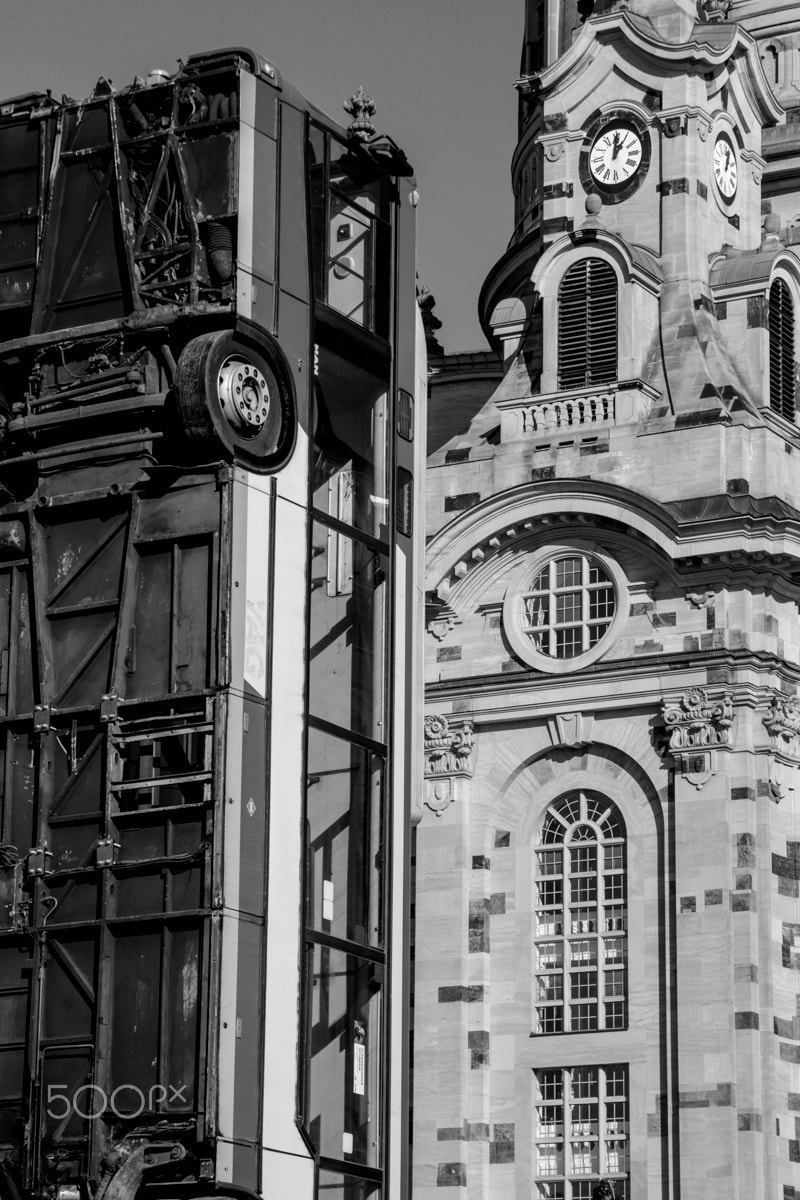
707, 528
640, 36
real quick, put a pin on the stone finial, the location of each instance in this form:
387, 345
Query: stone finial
361, 107
697, 722
430, 322
593, 206
771, 231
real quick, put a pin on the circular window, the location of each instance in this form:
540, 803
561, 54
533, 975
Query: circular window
562, 616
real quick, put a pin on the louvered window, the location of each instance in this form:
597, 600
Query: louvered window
587, 324
781, 350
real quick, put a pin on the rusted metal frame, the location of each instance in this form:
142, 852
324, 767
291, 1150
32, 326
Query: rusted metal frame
123, 739
165, 999
133, 865
185, 915
39, 628
42, 180
221, 585
88, 659
85, 606
169, 810
147, 211
47, 215
108, 901
6, 789
188, 206
61, 1126
58, 303
75, 874
84, 984
69, 1042
139, 442
204, 1126
124, 646
123, 209
108, 535
89, 386
149, 783
17, 581
174, 602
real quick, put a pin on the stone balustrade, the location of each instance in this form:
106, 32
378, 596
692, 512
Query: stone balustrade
623, 403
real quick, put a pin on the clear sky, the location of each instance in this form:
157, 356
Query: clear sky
440, 71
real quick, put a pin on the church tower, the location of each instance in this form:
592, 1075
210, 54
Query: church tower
607, 997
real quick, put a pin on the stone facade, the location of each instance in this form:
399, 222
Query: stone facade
607, 910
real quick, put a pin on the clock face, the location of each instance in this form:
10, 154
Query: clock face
726, 168
615, 156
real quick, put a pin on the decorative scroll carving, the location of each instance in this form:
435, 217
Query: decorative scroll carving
448, 746
448, 759
700, 599
696, 722
782, 723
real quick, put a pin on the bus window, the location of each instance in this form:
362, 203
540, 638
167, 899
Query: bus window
349, 470
349, 232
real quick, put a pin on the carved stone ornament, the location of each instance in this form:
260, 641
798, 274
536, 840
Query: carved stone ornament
696, 767
700, 599
553, 150
448, 746
440, 618
448, 759
440, 626
361, 107
697, 722
673, 126
571, 729
782, 723
716, 10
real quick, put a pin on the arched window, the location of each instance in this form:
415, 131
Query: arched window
581, 945
781, 350
587, 324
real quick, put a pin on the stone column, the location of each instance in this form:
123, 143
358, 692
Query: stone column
699, 944
444, 998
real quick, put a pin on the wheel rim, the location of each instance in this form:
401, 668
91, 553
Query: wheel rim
244, 395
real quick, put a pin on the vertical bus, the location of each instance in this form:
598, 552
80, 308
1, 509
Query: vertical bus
211, 463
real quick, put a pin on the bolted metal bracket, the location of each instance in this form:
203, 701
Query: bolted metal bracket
106, 847
42, 718
38, 863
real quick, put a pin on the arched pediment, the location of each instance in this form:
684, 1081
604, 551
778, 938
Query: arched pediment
706, 528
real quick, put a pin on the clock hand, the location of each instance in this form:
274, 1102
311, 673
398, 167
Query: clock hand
617, 145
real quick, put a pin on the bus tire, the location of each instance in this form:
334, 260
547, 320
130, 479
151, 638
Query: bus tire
234, 396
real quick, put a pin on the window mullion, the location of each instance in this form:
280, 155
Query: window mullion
602, 1122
